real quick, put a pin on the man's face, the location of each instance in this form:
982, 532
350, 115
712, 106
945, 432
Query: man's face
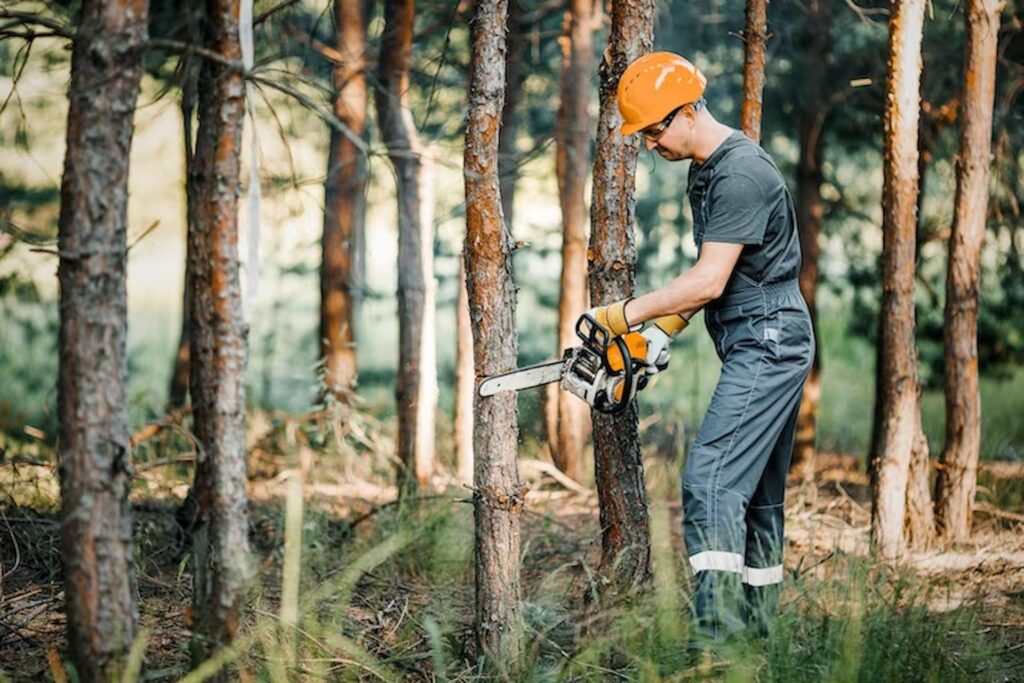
673, 137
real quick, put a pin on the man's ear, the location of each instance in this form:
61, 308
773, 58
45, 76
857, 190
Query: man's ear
691, 115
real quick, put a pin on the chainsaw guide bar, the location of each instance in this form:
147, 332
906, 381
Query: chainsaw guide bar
524, 378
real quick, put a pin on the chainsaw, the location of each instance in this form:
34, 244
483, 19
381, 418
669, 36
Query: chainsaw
606, 371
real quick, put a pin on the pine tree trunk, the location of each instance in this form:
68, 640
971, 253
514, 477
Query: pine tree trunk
508, 155
221, 567
94, 444
465, 383
957, 480
898, 390
415, 250
810, 210
177, 394
343, 204
755, 38
572, 162
178, 391
618, 469
498, 494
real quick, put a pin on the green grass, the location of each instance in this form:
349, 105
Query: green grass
409, 617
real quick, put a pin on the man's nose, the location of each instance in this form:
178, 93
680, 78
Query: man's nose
650, 144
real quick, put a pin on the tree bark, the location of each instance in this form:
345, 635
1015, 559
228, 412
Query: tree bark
220, 543
415, 250
572, 162
618, 470
810, 211
919, 524
755, 38
464, 383
177, 394
957, 480
344, 190
508, 155
498, 494
94, 444
898, 391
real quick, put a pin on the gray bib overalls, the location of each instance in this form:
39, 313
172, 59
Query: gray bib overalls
735, 475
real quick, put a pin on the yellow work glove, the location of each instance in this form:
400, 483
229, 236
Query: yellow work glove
671, 324
612, 317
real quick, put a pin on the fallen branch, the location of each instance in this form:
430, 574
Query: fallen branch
542, 467
173, 460
988, 509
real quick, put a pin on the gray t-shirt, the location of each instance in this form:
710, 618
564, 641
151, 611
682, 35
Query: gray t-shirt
738, 196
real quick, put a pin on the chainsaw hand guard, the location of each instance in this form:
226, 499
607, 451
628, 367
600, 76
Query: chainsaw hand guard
598, 371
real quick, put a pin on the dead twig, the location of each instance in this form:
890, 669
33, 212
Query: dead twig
153, 429
181, 458
542, 467
988, 509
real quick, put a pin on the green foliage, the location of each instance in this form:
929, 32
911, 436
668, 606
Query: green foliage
28, 360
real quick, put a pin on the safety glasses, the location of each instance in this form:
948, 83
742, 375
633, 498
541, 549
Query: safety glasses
653, 133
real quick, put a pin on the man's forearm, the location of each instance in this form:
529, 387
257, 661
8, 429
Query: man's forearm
684, 295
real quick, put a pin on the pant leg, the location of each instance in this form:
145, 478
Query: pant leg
763, 571
745, 421
723, 468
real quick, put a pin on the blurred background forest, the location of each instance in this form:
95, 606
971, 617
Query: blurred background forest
293, 141
387, 590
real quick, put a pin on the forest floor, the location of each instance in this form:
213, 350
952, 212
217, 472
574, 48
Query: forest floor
412, 606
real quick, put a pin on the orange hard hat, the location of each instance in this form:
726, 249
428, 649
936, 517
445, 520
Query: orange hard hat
653, 86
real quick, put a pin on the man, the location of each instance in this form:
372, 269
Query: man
745, 279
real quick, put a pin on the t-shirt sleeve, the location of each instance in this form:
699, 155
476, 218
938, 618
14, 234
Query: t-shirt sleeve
738, 209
